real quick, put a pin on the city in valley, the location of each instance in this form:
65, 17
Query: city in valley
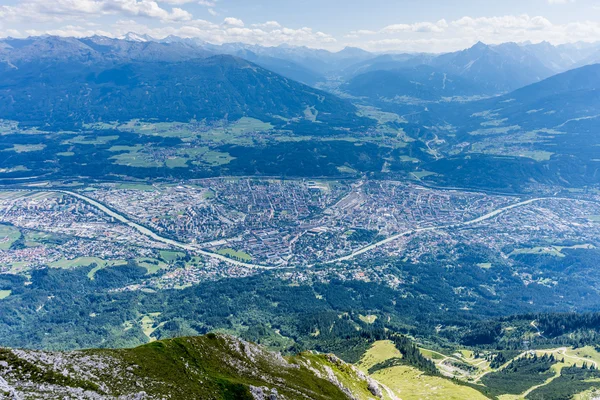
235, 227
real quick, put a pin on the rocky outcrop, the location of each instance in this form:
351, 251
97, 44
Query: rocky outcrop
206, 367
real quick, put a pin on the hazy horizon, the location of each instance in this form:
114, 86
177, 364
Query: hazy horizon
380, 26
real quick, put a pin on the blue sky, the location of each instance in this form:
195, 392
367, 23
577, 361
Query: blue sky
376, 25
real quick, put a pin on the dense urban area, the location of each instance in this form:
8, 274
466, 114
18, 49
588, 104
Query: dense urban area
235, 227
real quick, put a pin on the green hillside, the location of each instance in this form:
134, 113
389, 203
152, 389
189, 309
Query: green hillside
206, 367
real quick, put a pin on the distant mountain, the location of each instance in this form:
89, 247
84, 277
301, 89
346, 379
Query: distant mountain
495, 69
208, 367
554, 58
386, 62
95, 49
422, 82
298, 63
559, 115
592, 58
287, 68
319, 61
479, 70
352, 53
135, 37
66, 92
568, 103
568, 98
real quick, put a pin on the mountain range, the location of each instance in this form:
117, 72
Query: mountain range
103, 73
511, 65
480, 70
68, 82
487, 95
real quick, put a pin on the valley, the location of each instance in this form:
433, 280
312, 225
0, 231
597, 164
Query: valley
187, 219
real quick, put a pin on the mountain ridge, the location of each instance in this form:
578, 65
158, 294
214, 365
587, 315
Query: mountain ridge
67, 93
214, 366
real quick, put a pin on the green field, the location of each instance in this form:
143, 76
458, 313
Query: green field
432, 355
91, 140
409, 159
499, 130
550, 250
135, 186
422, 174
408, 383
11, 195
4, 294
34, 238
216, 158
171, 256
130, 149
381, 116
149, 325
344, 169
26, 148
378, 352
247, 125
152, 265
537, 155
76, 262
176, 162
238, 255
233, 132
84, 262
18, 168
192, 152
368, 319
582, 354
163, 129
8, 235
132, 157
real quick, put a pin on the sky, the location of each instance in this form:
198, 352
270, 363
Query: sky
375, 25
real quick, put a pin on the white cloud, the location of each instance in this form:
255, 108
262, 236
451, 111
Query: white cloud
560, 1
161, 18
11, 33
43, 10
69, 30
177, 2
233, 22
268, 25
504, 23
269, 34
445, 35
422, 27
360, 32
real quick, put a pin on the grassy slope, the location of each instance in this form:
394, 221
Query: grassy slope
207, 367
409, 383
